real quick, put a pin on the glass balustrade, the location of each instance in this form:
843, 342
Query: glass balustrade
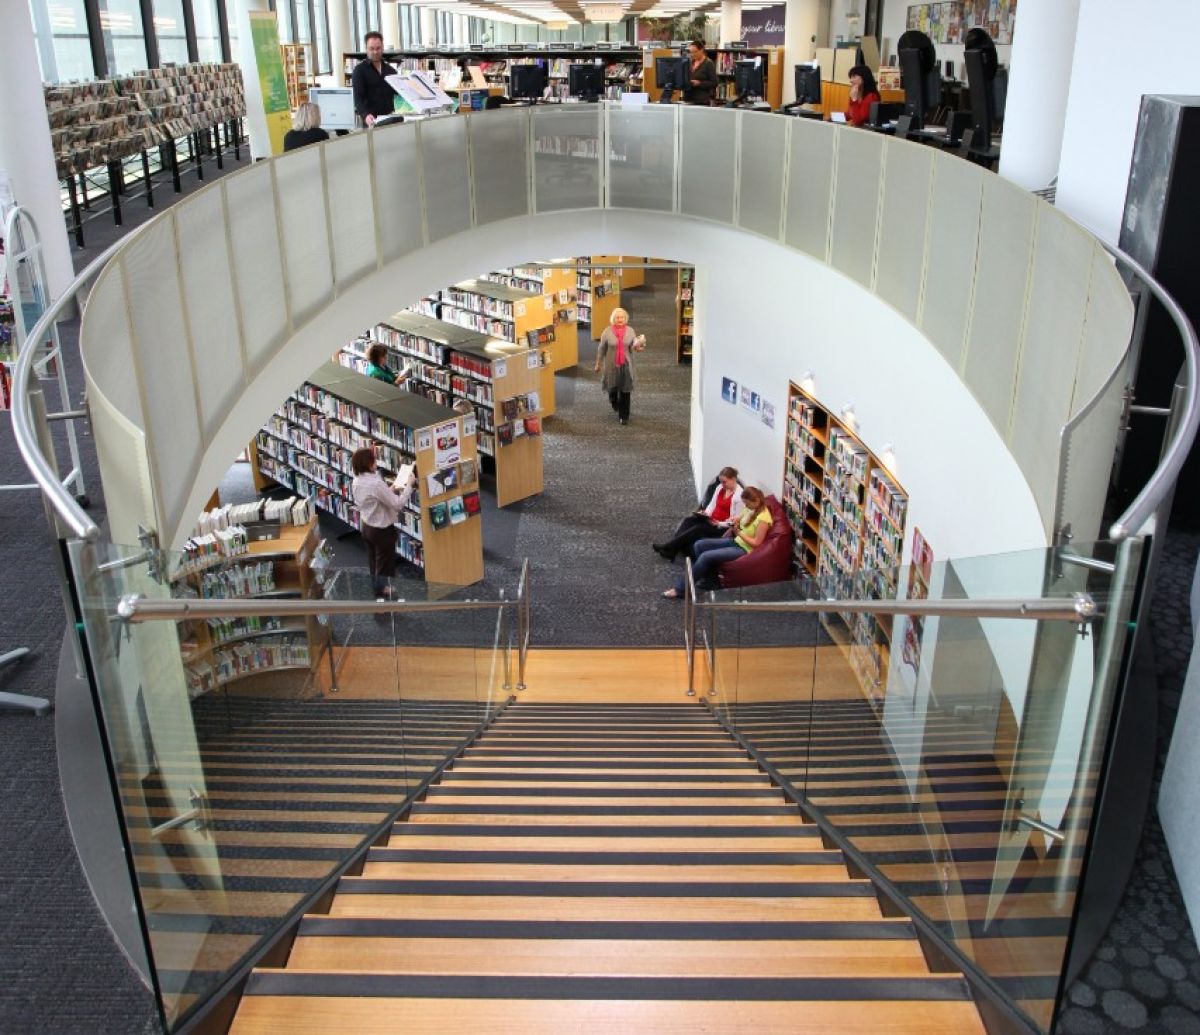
955, 758
255, 755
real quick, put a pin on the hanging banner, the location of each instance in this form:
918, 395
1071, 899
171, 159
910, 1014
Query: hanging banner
764, 27
268, 59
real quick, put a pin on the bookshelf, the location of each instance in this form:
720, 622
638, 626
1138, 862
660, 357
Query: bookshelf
848, 512
297, 63
599, 292
451, 362
558, 283
307, 445
632, 276
686, 296
219, 652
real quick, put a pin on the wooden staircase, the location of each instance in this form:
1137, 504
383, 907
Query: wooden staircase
604, 867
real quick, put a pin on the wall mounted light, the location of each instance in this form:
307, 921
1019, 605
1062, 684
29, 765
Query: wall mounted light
807, 382
849, 417
888, 456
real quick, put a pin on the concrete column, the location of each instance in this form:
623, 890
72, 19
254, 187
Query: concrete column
731, 21
26, 153
390, 25
428, 35
800, 26
1038, 84
341, 40
256, 119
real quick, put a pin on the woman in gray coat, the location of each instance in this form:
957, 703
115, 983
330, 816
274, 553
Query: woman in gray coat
615, 352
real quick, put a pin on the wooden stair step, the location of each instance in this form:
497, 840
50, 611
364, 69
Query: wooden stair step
608, 871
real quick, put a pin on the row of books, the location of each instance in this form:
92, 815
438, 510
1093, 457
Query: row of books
510, 431
223, 630
454, 511
410, 344
495, 326
216, 547
475, 302
241, 580
291, 511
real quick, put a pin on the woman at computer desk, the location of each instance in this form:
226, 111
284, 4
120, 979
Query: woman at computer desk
701, 76
863, 93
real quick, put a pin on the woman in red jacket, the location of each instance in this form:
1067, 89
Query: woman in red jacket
863, 93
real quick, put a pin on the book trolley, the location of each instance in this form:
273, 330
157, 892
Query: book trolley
218, 652
450, 363
848, 513
308, 443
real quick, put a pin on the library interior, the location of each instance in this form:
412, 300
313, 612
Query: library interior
556, 515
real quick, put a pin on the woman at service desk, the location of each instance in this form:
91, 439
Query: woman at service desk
702, 76
863, 93
615, 352
377, 366
723, 508
744, 536
372, 95
306, 128
379, 507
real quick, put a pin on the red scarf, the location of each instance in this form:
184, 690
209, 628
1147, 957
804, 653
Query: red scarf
621, 358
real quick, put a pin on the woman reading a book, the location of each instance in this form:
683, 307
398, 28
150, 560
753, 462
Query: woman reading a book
615, 352
379, 507
723, 508
746, 534
377, 366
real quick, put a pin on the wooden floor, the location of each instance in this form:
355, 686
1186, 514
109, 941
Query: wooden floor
604, 862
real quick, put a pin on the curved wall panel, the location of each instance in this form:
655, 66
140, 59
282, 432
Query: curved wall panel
973, 250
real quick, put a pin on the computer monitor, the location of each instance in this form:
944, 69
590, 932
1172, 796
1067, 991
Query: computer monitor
919, 76
748, 79
808, 84
585, 81
527, 82
979, 55
670, 73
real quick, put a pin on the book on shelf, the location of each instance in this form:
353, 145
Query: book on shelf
471, 503
533, 425
458, 513
467, 472
439, 516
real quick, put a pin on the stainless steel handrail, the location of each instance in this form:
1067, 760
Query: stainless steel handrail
1162, 481
1079, 608
136, 608
24, 431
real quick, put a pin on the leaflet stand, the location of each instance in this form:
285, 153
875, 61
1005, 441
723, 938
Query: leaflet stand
26, 276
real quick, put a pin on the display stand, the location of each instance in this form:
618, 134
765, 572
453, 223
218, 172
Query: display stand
557, 283
848, 514
219, 652
307, 447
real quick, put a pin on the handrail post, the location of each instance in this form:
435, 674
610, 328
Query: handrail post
523, 624
689, 624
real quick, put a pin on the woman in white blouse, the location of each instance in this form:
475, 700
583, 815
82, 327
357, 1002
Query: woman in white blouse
379, 506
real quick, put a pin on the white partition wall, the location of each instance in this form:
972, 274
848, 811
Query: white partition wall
1023, 307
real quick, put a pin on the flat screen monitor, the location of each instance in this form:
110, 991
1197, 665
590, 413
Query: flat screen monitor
670, 73
527, 82
336, 104
808, 84
585, 81
921, 86
748, 79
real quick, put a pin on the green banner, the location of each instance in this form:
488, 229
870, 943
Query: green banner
268, 59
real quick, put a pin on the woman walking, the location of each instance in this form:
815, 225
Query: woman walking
615, 352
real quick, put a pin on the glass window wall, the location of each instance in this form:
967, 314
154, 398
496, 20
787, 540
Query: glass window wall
321, 27
286, 15
171, 32
61, 34
208, 31
231, 18
124, 35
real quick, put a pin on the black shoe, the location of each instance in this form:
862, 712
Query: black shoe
663, 552
623, 420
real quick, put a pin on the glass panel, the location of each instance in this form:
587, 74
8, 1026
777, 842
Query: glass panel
255, 755
761, 186
170, 32
231, 19
303, 21
641, 157
287, 24
60, 30
708, 155
566, 158
500, 140
208, 31
124, 39
321, 27
958, 757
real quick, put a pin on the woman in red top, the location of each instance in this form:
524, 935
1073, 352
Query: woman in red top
863, 93
723, 507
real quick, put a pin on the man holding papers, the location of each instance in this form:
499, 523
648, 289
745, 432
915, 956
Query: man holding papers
373, 97
379, 507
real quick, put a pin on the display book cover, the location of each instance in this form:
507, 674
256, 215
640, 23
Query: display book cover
439, 515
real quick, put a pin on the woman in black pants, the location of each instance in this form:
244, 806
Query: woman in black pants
615, 352
379, 506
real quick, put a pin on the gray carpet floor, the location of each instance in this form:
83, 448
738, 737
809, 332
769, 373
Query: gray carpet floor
63, 971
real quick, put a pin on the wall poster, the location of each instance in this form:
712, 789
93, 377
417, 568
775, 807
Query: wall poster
949, 22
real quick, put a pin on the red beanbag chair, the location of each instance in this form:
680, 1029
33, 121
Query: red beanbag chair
771, 562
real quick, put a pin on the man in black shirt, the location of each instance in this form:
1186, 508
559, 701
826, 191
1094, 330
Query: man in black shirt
372, 95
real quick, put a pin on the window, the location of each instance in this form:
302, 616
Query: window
171, 32
286, 16
123, 34
208, 30
61, 33
321, 28
231, 18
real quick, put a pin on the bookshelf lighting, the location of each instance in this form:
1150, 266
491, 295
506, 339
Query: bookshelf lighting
807, 382
849, 416
888, 456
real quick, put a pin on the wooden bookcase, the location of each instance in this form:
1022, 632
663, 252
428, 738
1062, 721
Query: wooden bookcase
773, 72
848, 512
297, 66
686, 297
307, 445
217, 653
632, 276
451, 362
599, 292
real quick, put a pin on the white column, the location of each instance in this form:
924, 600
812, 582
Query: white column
800, 26
1038, 83
26, 154
731, 21
390, 25
340, 39
427, 30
